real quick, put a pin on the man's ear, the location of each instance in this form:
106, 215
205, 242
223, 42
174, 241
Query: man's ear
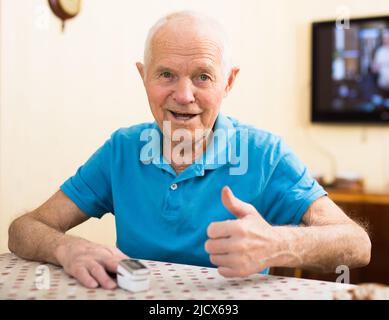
231, 79
141, 70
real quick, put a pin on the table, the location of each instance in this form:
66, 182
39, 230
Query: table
22, 279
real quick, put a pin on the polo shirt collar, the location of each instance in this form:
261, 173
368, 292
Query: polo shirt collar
217, 153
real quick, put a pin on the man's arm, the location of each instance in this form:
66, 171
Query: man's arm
249, 244
40, 236
37, 234
328, 238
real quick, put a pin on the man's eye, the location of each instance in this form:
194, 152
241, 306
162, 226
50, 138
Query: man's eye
166, 74
204, 77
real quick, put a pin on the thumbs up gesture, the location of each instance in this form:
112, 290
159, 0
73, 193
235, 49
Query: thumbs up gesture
242, 246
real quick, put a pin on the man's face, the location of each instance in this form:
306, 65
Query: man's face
184, 79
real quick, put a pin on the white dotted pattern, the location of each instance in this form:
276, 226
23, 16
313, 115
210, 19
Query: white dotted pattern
18, 280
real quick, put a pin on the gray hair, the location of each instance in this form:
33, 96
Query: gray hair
206, 20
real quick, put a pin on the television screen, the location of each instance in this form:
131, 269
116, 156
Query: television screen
350, 71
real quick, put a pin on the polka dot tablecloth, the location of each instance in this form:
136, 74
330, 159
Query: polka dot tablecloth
21, 279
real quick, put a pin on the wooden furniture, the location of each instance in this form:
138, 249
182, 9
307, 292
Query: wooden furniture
372, 210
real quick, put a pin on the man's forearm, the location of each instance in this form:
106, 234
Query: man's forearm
34, 240
323, 248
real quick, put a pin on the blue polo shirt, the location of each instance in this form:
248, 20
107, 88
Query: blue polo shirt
163, 216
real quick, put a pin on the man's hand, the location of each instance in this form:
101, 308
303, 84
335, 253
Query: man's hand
243, 246
326, 239
89, 262
40, 236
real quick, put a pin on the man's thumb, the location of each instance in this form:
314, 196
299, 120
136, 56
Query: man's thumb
237, 207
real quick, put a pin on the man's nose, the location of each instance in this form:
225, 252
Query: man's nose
183, 94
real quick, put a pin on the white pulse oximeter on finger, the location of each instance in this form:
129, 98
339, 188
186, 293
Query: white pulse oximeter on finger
133, 275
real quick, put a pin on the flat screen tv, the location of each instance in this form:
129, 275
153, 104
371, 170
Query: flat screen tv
350, 71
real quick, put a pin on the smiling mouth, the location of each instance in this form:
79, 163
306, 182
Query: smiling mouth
183, 116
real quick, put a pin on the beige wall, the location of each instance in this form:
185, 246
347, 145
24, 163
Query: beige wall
61, 95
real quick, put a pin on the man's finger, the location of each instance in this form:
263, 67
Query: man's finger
229, 272
221, 229
230, 260
84, 277
236, 206
111, 265
118, 253
223, 245
99, 273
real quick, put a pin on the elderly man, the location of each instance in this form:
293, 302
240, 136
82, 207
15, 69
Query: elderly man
173, 207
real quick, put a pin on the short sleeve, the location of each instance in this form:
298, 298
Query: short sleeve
289, 189
90, 188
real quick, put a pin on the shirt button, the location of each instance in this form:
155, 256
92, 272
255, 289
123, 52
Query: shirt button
174, 186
